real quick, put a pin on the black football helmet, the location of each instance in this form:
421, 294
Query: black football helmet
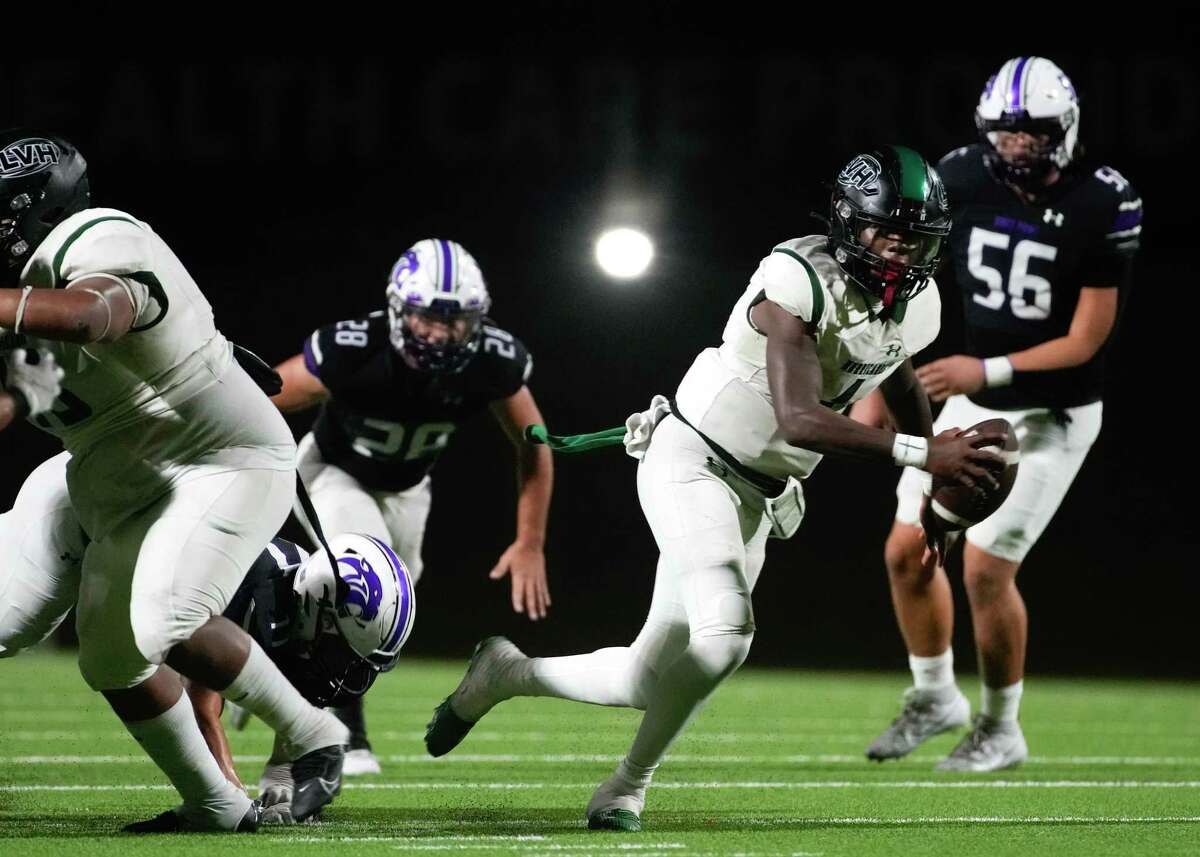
889, 190
43, 181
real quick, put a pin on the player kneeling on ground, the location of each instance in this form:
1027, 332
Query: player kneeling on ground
331, 633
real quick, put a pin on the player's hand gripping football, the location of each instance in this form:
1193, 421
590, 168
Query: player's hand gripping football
951, 376
959, 460
526, 566
938, 539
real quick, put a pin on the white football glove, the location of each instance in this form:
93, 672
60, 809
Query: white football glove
37, 376
275, 793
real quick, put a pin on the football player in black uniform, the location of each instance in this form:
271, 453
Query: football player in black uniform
1042, 250
393, 387
330, 634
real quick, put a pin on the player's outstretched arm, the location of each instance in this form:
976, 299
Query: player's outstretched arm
97, 308
1093, 322
525, 560
207, 704
794, 375
301, 388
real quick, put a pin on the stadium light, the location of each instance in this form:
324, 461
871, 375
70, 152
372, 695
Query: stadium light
624, 253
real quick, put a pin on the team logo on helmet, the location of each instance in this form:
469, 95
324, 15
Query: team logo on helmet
28, 156
365, 591
862, 173
405, 266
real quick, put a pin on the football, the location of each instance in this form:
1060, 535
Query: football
961, 507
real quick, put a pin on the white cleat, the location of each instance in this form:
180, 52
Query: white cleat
922, 717
485, 684
991, 745
360, 763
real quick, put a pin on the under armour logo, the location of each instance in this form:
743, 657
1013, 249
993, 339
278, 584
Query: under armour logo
893, 349
1052, 216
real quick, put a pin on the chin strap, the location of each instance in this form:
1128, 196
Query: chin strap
341, 588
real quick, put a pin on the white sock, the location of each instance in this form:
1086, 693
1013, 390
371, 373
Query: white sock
173, 740
625, 789
1002, 703
638, 776
935, 673
261, 689
612, 676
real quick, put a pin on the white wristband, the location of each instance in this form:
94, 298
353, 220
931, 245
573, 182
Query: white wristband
997, 372
20, 314
910, 450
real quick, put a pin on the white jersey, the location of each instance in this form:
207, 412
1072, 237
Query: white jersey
725, 393
138, 414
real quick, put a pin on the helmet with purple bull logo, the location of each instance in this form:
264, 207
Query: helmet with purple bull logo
437, 299
355, 620
1034, 96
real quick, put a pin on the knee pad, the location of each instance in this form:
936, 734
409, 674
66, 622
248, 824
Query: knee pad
719, 655
729, 613
720, 643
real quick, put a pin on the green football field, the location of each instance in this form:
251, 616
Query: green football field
773, 766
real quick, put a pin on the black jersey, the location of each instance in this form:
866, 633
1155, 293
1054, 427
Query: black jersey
1020, 266
385, 423
265, 606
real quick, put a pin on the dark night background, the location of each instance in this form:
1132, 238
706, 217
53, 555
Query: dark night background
289, 184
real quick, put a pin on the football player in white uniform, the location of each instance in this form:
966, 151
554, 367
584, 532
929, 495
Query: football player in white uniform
393, 389
330, 637
1042, 251
824, 320
180, 471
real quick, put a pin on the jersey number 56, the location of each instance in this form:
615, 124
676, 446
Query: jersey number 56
1028, 294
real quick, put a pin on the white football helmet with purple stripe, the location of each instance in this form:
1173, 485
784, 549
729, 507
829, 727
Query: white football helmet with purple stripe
357, 620
1033, 95
436, 299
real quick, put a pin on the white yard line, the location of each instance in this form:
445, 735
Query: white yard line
805, 785
575, 758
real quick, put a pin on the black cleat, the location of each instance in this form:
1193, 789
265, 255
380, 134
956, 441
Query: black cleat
172, 821
446, 730
318, 779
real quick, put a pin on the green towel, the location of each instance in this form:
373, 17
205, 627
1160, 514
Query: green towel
576, 442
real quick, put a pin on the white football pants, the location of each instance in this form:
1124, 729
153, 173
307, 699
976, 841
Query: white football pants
711, 534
